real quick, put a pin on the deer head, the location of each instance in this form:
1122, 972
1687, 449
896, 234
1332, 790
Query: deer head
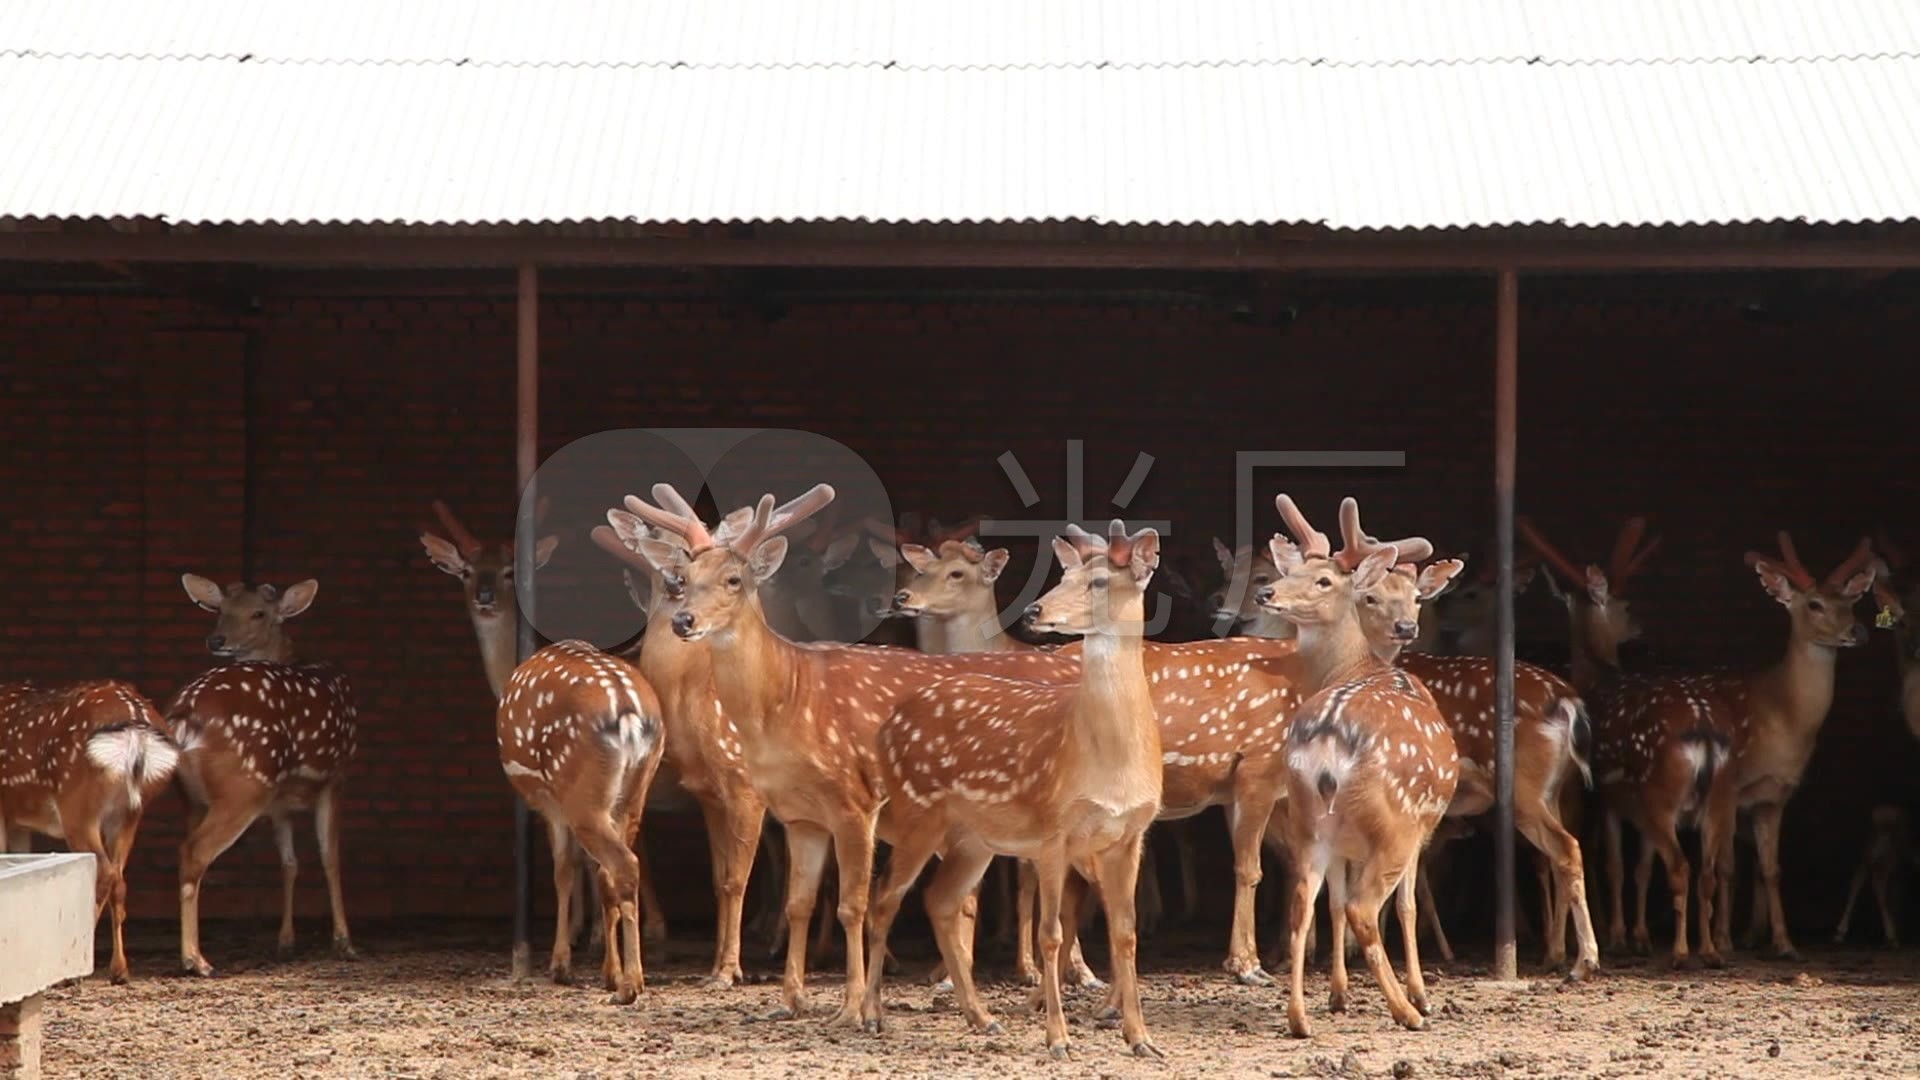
1319, 586
956, 579
1103, 583
1595, 598
251, 620
1389, 610
1822, 610
713, 579
1250, 569
485, 570
1473, 601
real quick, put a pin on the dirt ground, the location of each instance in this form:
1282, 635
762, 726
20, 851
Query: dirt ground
441, 1005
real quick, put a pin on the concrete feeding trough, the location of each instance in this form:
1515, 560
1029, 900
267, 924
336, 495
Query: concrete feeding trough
46, 938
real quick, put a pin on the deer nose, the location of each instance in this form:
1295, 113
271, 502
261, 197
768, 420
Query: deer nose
483, 594
683, 623
1262, 595
1033, 613
1857, 634
1405, 629
901, 598
216, 642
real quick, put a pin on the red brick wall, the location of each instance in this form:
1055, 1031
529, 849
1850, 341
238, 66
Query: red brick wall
145, 437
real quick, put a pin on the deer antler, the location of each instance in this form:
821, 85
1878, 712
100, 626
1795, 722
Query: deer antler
938, 534
464, 540
1567, 567
609, 542
1896, 558
1312, 542
967, 549
1861, 557
768, 522
1356, 545
1788, 563
674, 515
1625, 563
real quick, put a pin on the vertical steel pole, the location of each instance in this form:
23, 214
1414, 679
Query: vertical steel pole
1505, 418
527, 441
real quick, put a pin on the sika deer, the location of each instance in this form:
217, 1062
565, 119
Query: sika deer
1778, 713
259, 734
1890, 854
79, 762
580, 740
485, 572
1661, 744
1370, 767
1066, 776
1896, 592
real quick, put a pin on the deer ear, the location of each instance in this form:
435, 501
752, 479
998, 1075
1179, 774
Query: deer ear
444, 555
1438, 576
1773, 579
918, 557
1223, 553
1374, 568
1144, 557
767, 558
1523, 577
992, 563
886, 554
661, 555
1858, 584
543, 550
838, 552
1597, 588
1285, 554
203, 592
1068, 555
298, 598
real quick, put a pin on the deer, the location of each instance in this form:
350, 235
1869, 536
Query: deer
1896, 590
580, 740
1662, 744
1552, 744
1891, 852
1778, 712
79, 762
978, 765
1370, 765
260, 734
485, 572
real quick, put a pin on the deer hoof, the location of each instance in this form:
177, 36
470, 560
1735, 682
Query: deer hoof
1145, 1049
1713, 960
1337, 1001
343, 950
118, 977
783, 1012
1419, 1003
284, 948
624, 996
994, 1028
562, 975
944, 986
194, 965
1298, 1027
1582, 970
1254, 977
1059, 1053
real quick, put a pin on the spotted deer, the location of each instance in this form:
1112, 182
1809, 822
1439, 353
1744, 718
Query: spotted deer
1370, 765
976, 765
580, 740
1552, 745
485, 572
1778, 712
79, 762
1890, 854
259, 735
1661, 744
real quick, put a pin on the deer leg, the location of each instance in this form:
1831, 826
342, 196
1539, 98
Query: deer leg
1758, 917
561, 844
1881, 881
1119, 867
1051, 870
1377, 877
734, 828
289, 873
853, 850
218, 828
822, 941
1247, 819
770, 921
121, 844
653, 915
1407, 910
961, 869
1429, 913
109, 886
904, 866
1079, 888
1029, 908
1766, 838
1716, 848
1853, 896
1307, 877
1149, 905
807, 848
326, 823
1565, 886
1616, 879
1189, 874
1339, 873
1642, 882
620, 889
1660, 838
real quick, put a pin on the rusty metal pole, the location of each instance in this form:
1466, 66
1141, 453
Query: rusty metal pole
527, 442
1505, 418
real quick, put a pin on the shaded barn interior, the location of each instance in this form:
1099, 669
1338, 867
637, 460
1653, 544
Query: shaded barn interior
283, 425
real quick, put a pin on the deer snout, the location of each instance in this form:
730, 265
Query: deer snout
1033, 613
902, 599
1263, 595
683, 623
1856, 634
216, 642
1405, 629
483, 594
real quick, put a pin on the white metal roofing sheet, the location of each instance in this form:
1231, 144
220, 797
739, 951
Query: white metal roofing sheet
1368, 148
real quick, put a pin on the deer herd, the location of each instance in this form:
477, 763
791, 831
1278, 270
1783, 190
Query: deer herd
1345, 730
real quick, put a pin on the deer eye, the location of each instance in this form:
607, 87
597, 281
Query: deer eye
957, 574
733, 581
1325, 583
1372, 600
1815, 605
259, 614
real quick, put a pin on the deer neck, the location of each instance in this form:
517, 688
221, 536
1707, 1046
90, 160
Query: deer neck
499, 637
755, 670
973, 629
1115, 732
1591, 661
1800, 685
1335, 652
1268, 625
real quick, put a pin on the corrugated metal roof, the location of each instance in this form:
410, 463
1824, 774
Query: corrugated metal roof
1357, 115
979, 33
